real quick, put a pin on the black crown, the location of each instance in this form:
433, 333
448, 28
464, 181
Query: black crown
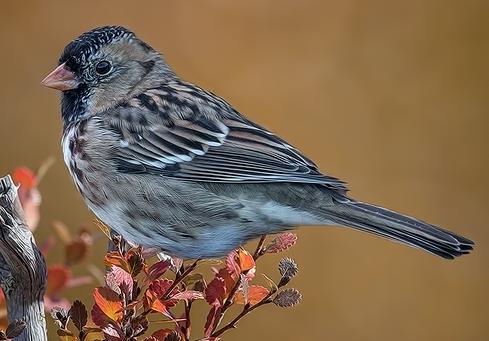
89, 42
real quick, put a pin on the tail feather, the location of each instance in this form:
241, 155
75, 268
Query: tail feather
393, 225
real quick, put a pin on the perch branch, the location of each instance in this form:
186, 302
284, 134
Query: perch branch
22, 266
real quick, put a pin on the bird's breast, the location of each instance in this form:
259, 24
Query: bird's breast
82, 162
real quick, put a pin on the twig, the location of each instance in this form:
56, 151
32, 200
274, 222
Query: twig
179, 278
259, 249
246, 310
187, 328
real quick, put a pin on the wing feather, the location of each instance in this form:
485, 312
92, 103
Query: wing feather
224, 148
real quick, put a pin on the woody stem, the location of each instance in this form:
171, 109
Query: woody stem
259, 248
229, 301
180, 278
246, 310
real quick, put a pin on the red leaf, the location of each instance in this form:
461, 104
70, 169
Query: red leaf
281, 243
108, 301
212, 320
58, 276
215, 292
229, 279
161, 286
188, 295
232, 265
118, 278
157, 270
256, 293
98, 316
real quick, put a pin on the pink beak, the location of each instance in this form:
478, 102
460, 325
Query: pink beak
61, 79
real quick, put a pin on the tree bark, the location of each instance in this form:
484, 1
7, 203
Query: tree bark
22, 267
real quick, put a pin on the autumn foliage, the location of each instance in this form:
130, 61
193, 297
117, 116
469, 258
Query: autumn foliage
137, 292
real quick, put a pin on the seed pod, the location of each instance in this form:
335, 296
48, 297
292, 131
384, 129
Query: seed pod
287, 298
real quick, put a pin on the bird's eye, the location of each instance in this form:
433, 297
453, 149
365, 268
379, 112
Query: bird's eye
103, 67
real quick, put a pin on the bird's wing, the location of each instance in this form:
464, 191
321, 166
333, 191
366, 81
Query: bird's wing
191, 144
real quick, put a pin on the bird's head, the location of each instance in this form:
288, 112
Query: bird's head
103, 67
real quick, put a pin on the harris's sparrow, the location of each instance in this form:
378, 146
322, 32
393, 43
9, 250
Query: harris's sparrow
169, 165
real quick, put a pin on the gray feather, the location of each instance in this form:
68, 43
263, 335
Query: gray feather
399, 227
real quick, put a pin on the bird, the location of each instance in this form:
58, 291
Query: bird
169, 165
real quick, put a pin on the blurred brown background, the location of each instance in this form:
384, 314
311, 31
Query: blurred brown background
391, 96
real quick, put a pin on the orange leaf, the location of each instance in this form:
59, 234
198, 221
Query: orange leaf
23, 176
152, 302
245, 260
256, 293
108, 301
228, 278
114, 258
58, 276
29, 195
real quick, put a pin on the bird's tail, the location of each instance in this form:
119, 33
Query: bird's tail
395, 226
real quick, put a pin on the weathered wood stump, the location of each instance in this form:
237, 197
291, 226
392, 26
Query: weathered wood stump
23, 274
